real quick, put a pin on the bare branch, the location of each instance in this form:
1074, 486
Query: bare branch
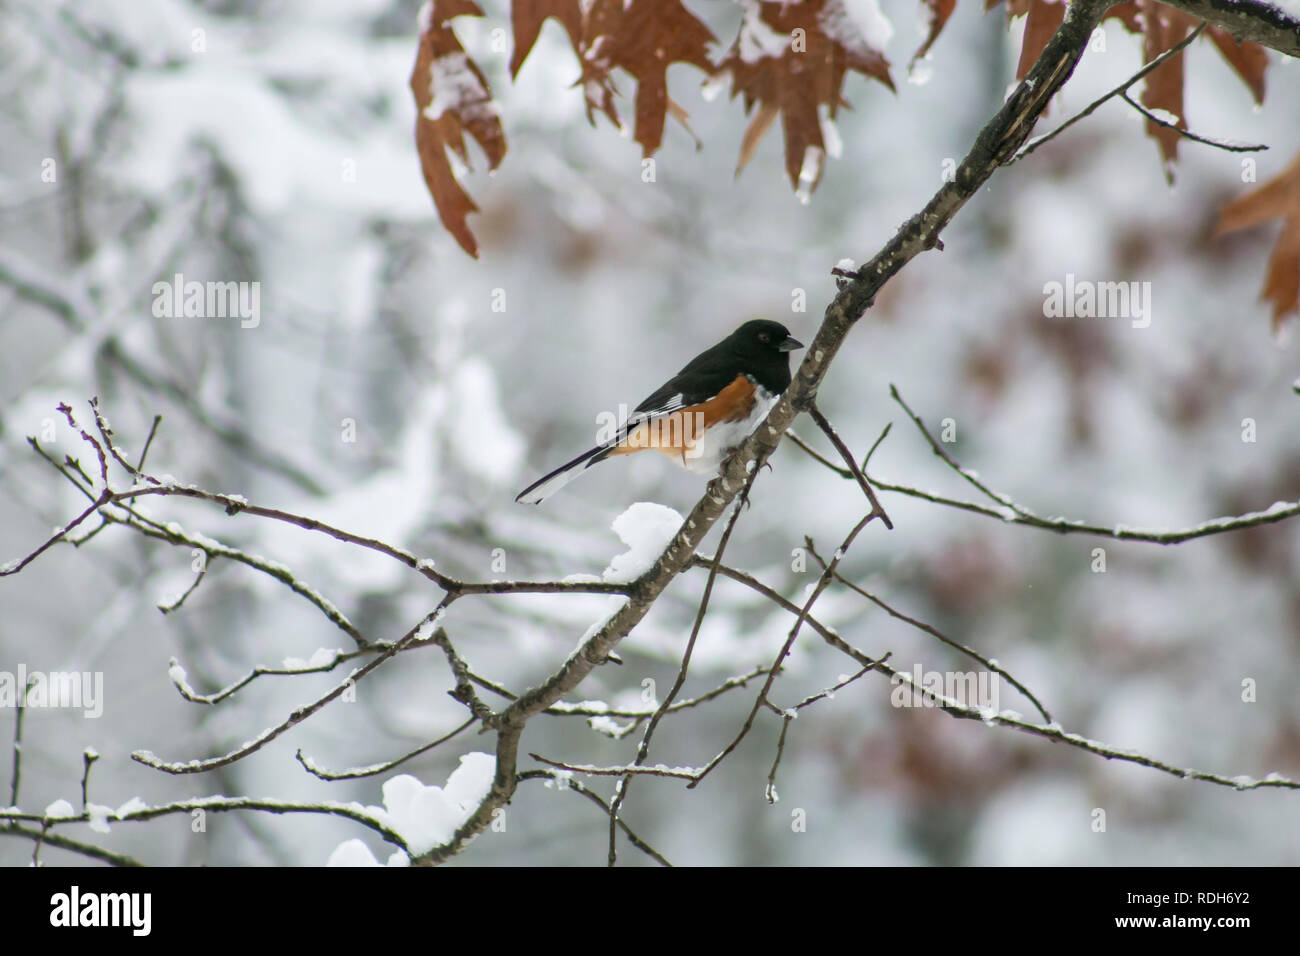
415, 635
787, 718
1012, 513
74, 846
802, 616
1012, 720
1188, 134
933, 632
847, 455
318, 771
627, 770
562, 781
1117, 91
1254, 20
218, 804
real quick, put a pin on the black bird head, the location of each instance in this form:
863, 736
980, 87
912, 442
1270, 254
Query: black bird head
764, 347
763, 337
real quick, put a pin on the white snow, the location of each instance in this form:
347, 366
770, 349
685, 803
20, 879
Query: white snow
99, 815
647, 529
352, 853
830, 133
856, 24
178, 677
757, 39
321, 657
1163, 115
454, 86
810, 172
428, 816
134, 805
60, 810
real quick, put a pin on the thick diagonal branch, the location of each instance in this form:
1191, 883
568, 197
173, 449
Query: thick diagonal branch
1253, 20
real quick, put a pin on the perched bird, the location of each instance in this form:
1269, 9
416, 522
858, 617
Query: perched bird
700, 415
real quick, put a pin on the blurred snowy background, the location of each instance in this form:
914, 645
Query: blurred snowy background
282, 153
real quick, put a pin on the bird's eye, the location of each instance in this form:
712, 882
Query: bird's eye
764, 337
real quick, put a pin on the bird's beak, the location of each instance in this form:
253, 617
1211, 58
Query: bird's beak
790, 344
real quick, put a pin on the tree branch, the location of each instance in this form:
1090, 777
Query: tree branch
1252, 20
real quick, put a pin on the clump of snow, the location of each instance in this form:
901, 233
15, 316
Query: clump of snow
830, 133
429, 627
920, 72
322, 657
757, 39
560, 780
427, 817
99, 815
1163, 115
609, 727
180, 678
453, 86
59, 810
810, 172
352, 853
134, 805
857, 25
646, 528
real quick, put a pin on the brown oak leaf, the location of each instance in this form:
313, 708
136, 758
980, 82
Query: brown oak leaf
643, 38
452, 98
1164, 27
938, 11
526, 19
1043, 18
1248, 60
791, 59
1279, 198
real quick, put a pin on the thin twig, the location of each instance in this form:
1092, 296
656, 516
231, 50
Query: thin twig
1011, 512
1188, 134
568, 783
932, 631
88, 758
787, 718
200, 766
762, 697
847, 455
643, 748
320, 772
198, 579
16, 778
1123, 87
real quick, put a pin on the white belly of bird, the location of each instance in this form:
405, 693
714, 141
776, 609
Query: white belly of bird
717, 444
